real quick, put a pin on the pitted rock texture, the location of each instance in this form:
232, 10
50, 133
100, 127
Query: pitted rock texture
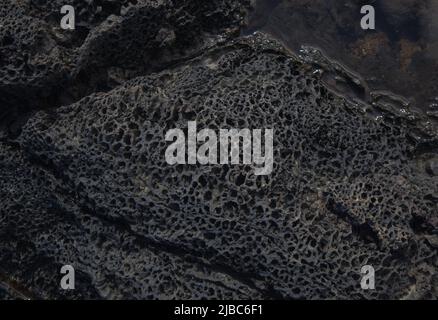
43, 66
44, 226
86, 184
345, 190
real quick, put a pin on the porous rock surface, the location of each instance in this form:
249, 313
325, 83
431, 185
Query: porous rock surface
43, 66
86, 184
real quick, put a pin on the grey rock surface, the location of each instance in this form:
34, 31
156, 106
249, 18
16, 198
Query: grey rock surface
86, 183
43, 66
